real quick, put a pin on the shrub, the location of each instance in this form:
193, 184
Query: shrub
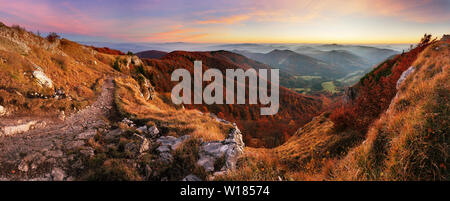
141, 70
116, 65
52, 37
20, 29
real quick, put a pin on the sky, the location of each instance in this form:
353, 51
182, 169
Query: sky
233, 21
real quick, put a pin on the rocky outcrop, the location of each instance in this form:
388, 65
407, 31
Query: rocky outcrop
135, 60
225, 152
400, 80
404, 75
147, 90
170, 142
167, 144
140, 145
41, 78
132, 60
151, 132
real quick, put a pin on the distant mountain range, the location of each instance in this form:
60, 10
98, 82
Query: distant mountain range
373, 55
304, 67
325, 60
252, 47
295, 63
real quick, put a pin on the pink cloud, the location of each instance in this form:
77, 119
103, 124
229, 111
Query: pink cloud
422, 11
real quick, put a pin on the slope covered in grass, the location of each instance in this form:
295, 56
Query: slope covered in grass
73, 69
410, 141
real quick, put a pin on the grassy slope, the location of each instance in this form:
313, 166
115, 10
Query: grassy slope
69, 65
410, 141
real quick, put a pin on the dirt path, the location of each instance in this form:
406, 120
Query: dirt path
47, 153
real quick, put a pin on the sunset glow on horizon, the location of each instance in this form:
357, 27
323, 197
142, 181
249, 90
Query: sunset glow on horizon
233, 21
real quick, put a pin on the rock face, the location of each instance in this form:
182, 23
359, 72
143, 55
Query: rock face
147, 90
227, 151
404, 76
42, 78
400, 80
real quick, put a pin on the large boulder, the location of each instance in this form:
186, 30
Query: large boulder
42, 78
227, 151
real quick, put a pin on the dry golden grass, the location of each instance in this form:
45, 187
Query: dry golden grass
308, 155
410, 141
175, 121
256, 164
69, 65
